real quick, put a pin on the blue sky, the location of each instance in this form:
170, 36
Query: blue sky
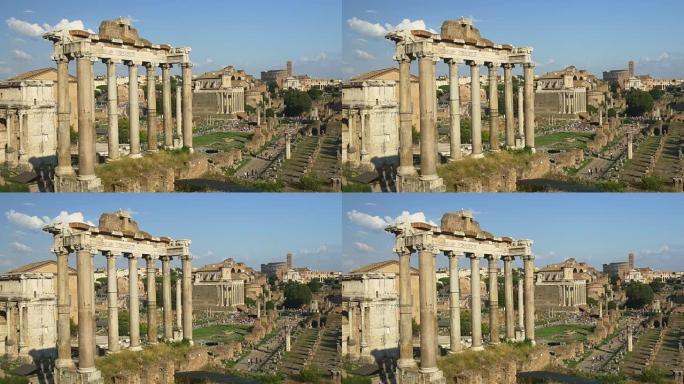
252, 228
596, 228
251, 35
596, 35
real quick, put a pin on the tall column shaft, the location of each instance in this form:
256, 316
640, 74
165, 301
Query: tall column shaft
475, 111
454, 304
187, 106
428, 319
521, 113
63, 120
428, 132
529, 105
133, 110
166, 297
493, 301
112, 111
187, 298
166, 104
521, 305
179, 304
86, 129
508, 104
405, 310
112, 305
133, 303
493, 107
151, 299
529, 297
63, 310
405, 118
151, 106
179, 114
454, 112
86, 320
475, 303
508, 297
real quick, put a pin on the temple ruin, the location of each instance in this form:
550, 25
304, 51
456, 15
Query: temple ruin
459, 42
116, 235
117, 42
458, 235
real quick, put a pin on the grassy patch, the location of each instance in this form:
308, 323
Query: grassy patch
468, 359
151, 163
10, 186
223, 332
564, 140
127, 361
566, 332
222, 140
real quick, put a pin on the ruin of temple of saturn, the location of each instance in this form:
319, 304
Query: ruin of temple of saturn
458, 43
119, 44
87, 241
459, 235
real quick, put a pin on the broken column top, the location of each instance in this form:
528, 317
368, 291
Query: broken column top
121, 29
462, 29
461, 221
119, 221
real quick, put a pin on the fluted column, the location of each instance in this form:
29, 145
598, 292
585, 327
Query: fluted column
112, 304
86, 129
454, 304
529, 106
133, 303
508, 104
405, 118
493, 107
187, 105
475, 111
428, 132
521, 115
428, 319
179, 114
179, 304
112, 111
63, 309
528, 261
493, 301
151, 299
454, 112
475, 303
151, 106
508, 297
187, 297
166, 105
521, 305
405, 309
86, 319
64, 167
166, 297
133, 110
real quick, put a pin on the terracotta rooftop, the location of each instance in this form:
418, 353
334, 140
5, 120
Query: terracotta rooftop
36, 72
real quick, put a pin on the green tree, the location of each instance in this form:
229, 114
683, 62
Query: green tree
270, 305
296, 103
296, 295
591, 109
638, 102
314, 93
270, 112
249, 109
315, 285
638, 295
612, 112
657, 286
656, 93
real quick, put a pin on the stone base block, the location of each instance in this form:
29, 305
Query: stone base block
519, 335
417, 184
519, 143
74, 184
73, 376
412, 375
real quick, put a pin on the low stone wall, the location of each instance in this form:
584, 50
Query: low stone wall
503, 372
194, 360
162, 180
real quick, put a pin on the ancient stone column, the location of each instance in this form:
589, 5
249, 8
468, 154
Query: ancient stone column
179, 114
166, 297
187, 105
179, 305
187, 298
475, 114
630, 151
405, 309
454, 304
112, 111
529, 106
86, 320
521, 305
288, 150
521, 114
166, 105
428, 132
151, 106
454, 112
508, 297
475, 302
133, 303
493, 107
493, 300
528, 262
86, 130
133, 110
64, 167
508, 103
428, 319
63, 310
630, 346
112, 305
151, 299
287, 339
405, 117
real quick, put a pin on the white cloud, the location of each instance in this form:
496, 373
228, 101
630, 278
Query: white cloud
363, 55
371, 11
29, 11
378, 30
378, 223
37, 223
408, 24
315, 251
21, 55
36, 30
320, 57
20, 247
363, 247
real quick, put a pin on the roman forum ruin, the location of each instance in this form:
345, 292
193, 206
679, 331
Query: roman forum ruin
116, 235
459, 42
457, 235
117, 42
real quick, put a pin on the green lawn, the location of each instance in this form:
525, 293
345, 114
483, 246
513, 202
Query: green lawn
565, 333
228, 332
222, 140
564, 140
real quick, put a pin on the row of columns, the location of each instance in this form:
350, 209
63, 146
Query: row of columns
427, 105
86, 308
574, 294
427, 292
86, 112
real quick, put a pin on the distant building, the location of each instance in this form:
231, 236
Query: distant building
619, 269
277, 75
558, 287
50, 267
221, 94
563, 94
221, 286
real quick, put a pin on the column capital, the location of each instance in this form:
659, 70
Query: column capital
150, 65
186, 65
453, 61
471, 255
131, 63
187, 257
403, 59
61, 59
473, 63
507, 65
59, 249
82, 55
165, 65
490, 257
109, 60
452, 254
492, 65
130, 256
149, 257
528, 65
165, 258
507, 258
529, 257
110, 254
